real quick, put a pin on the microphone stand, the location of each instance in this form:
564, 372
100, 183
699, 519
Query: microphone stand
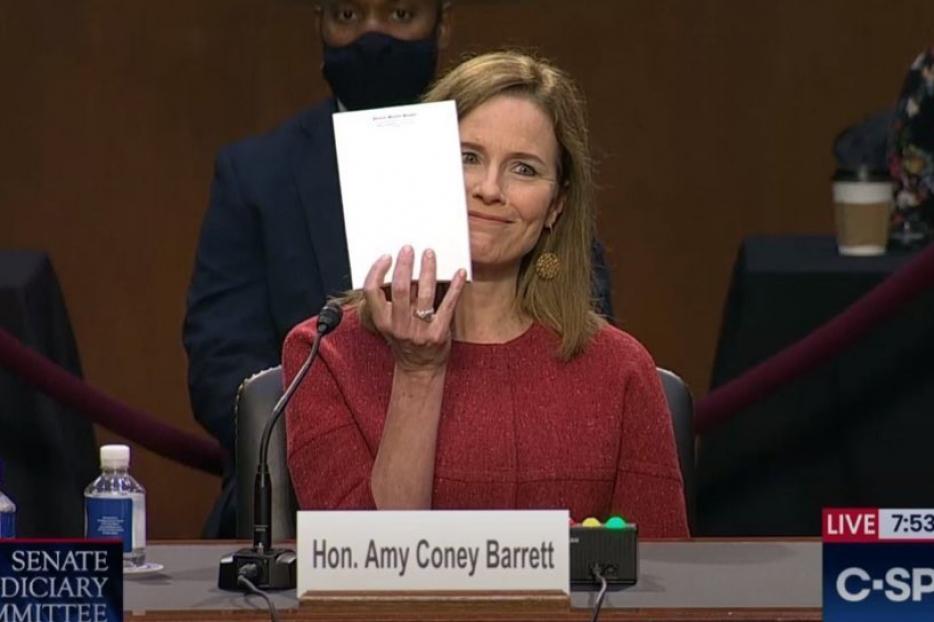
262, 565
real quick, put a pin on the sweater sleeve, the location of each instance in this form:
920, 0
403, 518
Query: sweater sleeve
648, 489
329, 460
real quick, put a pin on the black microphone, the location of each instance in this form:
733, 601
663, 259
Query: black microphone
329, 317
262, 565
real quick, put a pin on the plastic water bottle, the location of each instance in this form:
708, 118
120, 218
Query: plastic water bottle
115, 505
7, 512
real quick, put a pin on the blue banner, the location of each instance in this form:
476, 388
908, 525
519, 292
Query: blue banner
878, 582
61, 581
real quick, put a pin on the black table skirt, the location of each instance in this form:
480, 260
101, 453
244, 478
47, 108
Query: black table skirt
858, 431
49, 452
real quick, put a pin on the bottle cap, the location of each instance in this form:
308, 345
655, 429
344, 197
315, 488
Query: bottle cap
115, 457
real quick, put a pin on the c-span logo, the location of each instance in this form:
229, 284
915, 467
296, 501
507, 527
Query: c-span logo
61, 580
878, 565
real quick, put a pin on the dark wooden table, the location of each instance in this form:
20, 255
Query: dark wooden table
679, 580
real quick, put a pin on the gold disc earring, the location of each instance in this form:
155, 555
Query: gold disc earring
547, 266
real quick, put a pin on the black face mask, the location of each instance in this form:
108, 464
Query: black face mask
378, 70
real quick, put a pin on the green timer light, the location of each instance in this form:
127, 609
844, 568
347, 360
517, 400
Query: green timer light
615, 522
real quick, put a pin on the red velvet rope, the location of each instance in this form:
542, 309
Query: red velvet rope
818, 347
757, 383
130, 423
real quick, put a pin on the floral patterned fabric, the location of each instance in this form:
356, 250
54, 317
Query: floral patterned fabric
911, 163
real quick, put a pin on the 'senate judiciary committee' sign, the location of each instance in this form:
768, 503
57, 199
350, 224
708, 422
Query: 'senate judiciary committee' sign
67, 580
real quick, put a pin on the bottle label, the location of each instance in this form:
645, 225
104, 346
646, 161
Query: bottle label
110, 518
7, 525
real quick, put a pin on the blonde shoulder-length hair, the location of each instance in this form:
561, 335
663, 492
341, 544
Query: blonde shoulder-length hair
564, 304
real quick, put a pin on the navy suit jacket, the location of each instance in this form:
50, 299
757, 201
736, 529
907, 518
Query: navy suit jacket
272, 249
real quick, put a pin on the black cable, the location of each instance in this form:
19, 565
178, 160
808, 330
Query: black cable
251, 588
601, 595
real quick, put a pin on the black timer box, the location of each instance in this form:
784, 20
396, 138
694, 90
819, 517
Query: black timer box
614, 552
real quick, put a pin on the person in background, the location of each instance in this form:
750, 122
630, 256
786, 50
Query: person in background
272, 245
900, 140
506, 392
911, 158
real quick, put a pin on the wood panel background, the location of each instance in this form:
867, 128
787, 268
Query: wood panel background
712, 120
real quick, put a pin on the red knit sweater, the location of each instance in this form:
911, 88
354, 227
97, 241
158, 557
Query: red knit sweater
519, 429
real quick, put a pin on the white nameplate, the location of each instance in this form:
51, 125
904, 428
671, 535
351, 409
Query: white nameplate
433, 551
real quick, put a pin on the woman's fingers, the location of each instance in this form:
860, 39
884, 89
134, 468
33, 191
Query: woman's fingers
419, 335
373, 290
425, 299
445, 312
402, 287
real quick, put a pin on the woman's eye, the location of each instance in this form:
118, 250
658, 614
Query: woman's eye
521, 168
468, 157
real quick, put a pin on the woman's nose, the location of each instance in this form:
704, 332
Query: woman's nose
486, 185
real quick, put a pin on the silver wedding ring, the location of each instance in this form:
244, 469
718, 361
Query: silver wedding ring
425, 315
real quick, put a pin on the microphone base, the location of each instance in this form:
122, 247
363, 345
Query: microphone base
275, 569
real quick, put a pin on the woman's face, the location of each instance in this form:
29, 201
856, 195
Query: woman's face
510, 157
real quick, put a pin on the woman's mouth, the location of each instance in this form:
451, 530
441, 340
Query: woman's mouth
489, 217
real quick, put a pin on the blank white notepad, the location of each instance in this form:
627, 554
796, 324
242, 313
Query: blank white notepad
402, 182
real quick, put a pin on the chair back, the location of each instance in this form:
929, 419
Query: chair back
259, 393
681, 405
255, 400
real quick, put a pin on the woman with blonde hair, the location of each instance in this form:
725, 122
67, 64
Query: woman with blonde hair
508, 391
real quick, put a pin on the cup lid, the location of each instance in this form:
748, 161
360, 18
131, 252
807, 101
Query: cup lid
861, 173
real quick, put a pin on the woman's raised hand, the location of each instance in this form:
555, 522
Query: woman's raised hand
418, 334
